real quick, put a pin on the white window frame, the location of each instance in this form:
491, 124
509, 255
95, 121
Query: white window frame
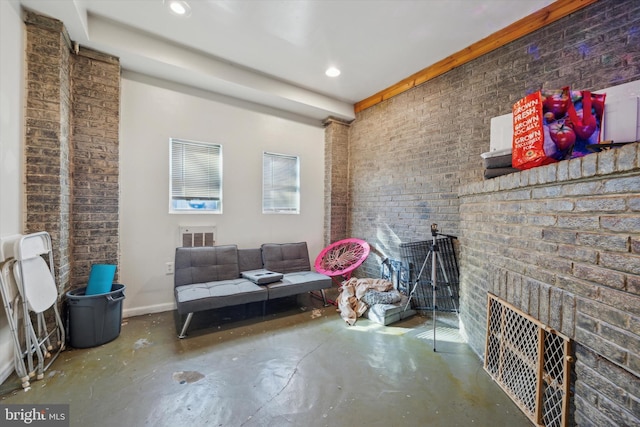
209, 200
290, 204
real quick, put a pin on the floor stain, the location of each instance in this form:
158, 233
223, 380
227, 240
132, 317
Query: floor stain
187, 377
141, 343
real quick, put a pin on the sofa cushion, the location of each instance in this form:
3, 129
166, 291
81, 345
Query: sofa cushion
286, 257
206, 264
297, 283
223, 293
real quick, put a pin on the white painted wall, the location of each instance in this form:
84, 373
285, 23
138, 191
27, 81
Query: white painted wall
11, 133
152, 111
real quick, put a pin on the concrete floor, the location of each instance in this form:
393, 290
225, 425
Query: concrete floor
300, 365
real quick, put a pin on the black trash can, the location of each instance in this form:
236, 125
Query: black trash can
94, 319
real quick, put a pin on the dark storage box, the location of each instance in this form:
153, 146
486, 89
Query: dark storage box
94, 319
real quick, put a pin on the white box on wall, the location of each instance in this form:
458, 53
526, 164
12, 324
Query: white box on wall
621, 112
620, 122
501, 133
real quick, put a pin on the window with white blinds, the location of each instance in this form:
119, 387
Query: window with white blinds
196, 177
280, 183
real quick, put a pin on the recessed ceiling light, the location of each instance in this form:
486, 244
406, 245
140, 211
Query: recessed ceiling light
332, 72
179, 7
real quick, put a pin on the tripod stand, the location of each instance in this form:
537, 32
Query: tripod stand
436, 261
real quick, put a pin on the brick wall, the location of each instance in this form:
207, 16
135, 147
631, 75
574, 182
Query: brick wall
412, 156
71, 148
409, 154
562, 243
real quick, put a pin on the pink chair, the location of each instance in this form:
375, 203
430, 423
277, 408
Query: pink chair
339, 259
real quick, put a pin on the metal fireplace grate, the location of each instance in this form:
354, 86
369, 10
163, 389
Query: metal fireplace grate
413, 256
530, 361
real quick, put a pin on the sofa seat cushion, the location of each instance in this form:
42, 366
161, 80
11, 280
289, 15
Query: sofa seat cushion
223, 293
297, 283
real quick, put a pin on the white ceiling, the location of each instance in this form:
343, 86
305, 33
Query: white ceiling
274, 52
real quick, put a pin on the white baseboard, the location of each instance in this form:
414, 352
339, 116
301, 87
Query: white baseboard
149, 309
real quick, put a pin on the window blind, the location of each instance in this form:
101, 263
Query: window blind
196, 171
280, 183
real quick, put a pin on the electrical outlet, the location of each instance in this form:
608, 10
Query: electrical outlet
169, 268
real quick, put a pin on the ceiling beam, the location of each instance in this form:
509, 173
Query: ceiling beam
524, 26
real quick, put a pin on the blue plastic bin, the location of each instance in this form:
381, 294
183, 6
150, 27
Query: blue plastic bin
94, 319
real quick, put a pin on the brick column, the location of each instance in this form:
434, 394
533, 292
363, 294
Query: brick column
47, 151
336, 180
96, 109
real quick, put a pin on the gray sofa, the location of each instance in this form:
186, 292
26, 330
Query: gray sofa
221, 276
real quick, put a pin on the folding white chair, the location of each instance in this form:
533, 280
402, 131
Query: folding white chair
13, 308
35, 278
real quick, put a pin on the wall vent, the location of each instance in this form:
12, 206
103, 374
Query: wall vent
197, 236
530, 361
